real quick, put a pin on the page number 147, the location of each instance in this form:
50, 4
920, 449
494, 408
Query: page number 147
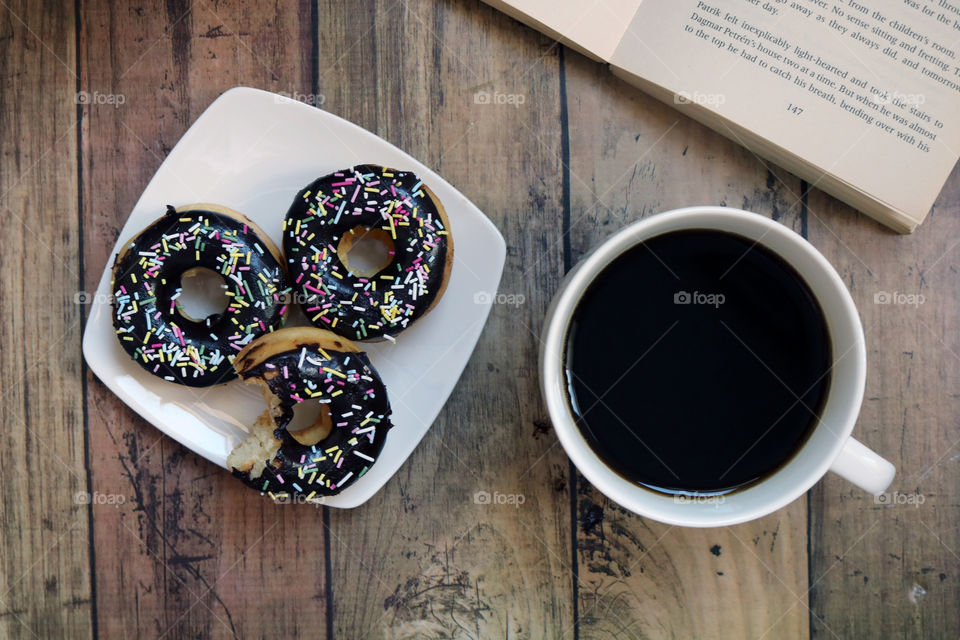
794, 109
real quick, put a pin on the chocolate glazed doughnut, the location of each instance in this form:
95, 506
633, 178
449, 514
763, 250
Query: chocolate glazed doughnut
293, 365
149, 323
395, 207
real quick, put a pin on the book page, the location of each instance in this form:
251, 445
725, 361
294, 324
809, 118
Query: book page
593, 27
869, 93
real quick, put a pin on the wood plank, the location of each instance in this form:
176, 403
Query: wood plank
421, 559
632, 157
191, 551
44, 561
891, 569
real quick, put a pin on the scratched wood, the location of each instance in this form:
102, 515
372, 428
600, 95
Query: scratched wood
891, 569
632, 157
422, 559
191, 552
44, 564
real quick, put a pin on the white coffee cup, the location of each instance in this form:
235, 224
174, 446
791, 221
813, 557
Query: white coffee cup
829, 448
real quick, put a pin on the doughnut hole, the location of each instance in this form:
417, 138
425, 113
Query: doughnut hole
203, 293
311, 422
366, 251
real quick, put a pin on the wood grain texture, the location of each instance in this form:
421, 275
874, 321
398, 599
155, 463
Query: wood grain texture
422, 559
44, 562
190, 552
890, 568
569, 155
632, 157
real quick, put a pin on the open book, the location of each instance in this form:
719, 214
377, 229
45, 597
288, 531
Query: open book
860, 99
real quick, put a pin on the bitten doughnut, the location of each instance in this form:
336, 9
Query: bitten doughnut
333, 212
291, 366
149, 323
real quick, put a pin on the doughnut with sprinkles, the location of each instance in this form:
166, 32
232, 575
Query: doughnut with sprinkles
150, 323
299, 364
330, 214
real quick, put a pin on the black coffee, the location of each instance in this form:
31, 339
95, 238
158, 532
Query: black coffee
697, 362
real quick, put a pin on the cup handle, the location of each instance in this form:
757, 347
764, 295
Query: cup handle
863, 467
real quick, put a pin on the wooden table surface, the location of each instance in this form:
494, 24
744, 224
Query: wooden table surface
94, 95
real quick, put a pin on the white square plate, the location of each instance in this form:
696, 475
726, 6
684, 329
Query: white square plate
252, 151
